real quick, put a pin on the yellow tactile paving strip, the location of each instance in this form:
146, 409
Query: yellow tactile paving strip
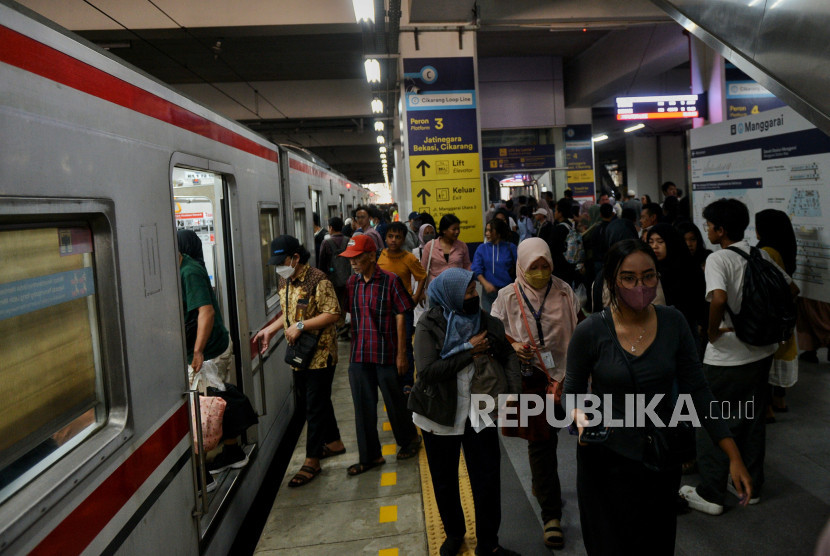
432, 519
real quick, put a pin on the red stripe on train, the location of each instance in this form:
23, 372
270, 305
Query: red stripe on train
26, 53
86, 521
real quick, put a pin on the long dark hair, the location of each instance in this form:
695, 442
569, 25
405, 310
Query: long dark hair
614, 259
776, 230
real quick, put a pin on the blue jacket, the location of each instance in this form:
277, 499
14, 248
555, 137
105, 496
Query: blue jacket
496, 262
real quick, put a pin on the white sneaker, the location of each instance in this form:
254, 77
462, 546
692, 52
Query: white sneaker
731, 488
696, 502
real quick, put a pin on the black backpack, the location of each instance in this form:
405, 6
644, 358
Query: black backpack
340, 269
767, 313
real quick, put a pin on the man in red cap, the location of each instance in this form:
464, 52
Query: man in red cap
377, 301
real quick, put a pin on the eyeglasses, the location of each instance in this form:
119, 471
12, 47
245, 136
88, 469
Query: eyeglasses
630, 281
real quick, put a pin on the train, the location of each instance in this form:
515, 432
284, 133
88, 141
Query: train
100, 165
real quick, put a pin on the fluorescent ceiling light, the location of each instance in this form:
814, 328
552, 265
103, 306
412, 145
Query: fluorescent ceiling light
364, 10
634, 128
377, 106
599, 138
378, 126
372, 67
381, 139
383, 149
383, 156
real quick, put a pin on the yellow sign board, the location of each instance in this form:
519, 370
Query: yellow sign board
580, 176
443, 167
461, 197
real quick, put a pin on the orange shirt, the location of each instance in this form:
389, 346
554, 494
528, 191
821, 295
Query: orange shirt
405, 265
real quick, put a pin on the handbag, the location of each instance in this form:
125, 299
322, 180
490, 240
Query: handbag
300, 353
212, 411
667, 447
488, 377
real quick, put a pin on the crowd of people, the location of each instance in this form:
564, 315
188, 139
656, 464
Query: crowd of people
561, 299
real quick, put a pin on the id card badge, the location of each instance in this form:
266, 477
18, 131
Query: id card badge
547, 359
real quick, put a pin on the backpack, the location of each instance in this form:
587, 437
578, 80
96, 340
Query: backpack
574, 250
341, 269
767, 314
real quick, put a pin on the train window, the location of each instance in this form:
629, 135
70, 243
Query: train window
299, 225
269, 228
51, 377
334, 210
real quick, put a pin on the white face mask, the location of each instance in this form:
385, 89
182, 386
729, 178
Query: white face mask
285, 271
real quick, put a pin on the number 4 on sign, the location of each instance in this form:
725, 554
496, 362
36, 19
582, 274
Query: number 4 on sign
423, 194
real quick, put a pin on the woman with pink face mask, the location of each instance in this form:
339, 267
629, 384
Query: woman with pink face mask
635, 347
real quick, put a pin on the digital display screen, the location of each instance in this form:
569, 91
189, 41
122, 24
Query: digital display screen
658, 107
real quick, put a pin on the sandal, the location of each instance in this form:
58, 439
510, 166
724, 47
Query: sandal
359, 468
300, 480
411, 449
553, 535
328, 452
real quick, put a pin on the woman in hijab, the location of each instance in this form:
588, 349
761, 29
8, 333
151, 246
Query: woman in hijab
539, 313
190, 245
426, 233
694, 241
682, 280
776, 236
453, 340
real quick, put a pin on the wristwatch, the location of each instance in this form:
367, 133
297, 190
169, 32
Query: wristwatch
300, 325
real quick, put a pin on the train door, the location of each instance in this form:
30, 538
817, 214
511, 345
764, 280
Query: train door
202, 204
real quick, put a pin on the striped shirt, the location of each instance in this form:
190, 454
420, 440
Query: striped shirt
373, 306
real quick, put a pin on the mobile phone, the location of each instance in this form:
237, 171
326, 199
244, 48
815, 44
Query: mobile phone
595, 435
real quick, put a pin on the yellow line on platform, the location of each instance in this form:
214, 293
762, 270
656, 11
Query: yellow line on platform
432, 519
388, 449
388, 514
389, 479
388, 552
387, 426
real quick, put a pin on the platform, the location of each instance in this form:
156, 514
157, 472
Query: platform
381, 512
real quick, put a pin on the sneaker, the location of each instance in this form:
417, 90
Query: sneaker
731, 488
211, 483
232, 456
696, 502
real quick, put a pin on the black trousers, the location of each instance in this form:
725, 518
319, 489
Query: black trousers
314, 389
483, 458
625, 508
733, 387
545, 476
364, 380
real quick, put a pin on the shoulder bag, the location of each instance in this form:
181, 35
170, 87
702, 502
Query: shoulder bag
300, 353
664, 447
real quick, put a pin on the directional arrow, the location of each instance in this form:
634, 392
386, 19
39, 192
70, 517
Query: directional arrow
423, 167
423, 194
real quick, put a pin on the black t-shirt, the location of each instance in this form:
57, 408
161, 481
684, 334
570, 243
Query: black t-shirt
592, 354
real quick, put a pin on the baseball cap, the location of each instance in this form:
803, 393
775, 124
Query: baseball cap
358, 245
540, 211
413, 215
283, 247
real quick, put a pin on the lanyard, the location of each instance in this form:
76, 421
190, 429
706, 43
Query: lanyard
537, 315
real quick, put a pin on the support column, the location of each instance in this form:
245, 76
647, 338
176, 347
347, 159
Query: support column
440, 130
708, 74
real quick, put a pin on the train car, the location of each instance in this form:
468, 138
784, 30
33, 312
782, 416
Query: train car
100, 164
311, 186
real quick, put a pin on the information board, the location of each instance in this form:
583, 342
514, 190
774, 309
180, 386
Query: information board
579, 152
778, 160
519, 157
442, 135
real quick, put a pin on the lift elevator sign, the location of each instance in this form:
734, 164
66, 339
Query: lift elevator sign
442, 134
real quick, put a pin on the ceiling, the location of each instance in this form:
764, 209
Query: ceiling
293, 70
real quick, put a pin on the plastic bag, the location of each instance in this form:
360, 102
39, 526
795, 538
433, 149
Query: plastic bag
208, 376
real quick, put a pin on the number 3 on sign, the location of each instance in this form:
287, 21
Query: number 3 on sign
439, 123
